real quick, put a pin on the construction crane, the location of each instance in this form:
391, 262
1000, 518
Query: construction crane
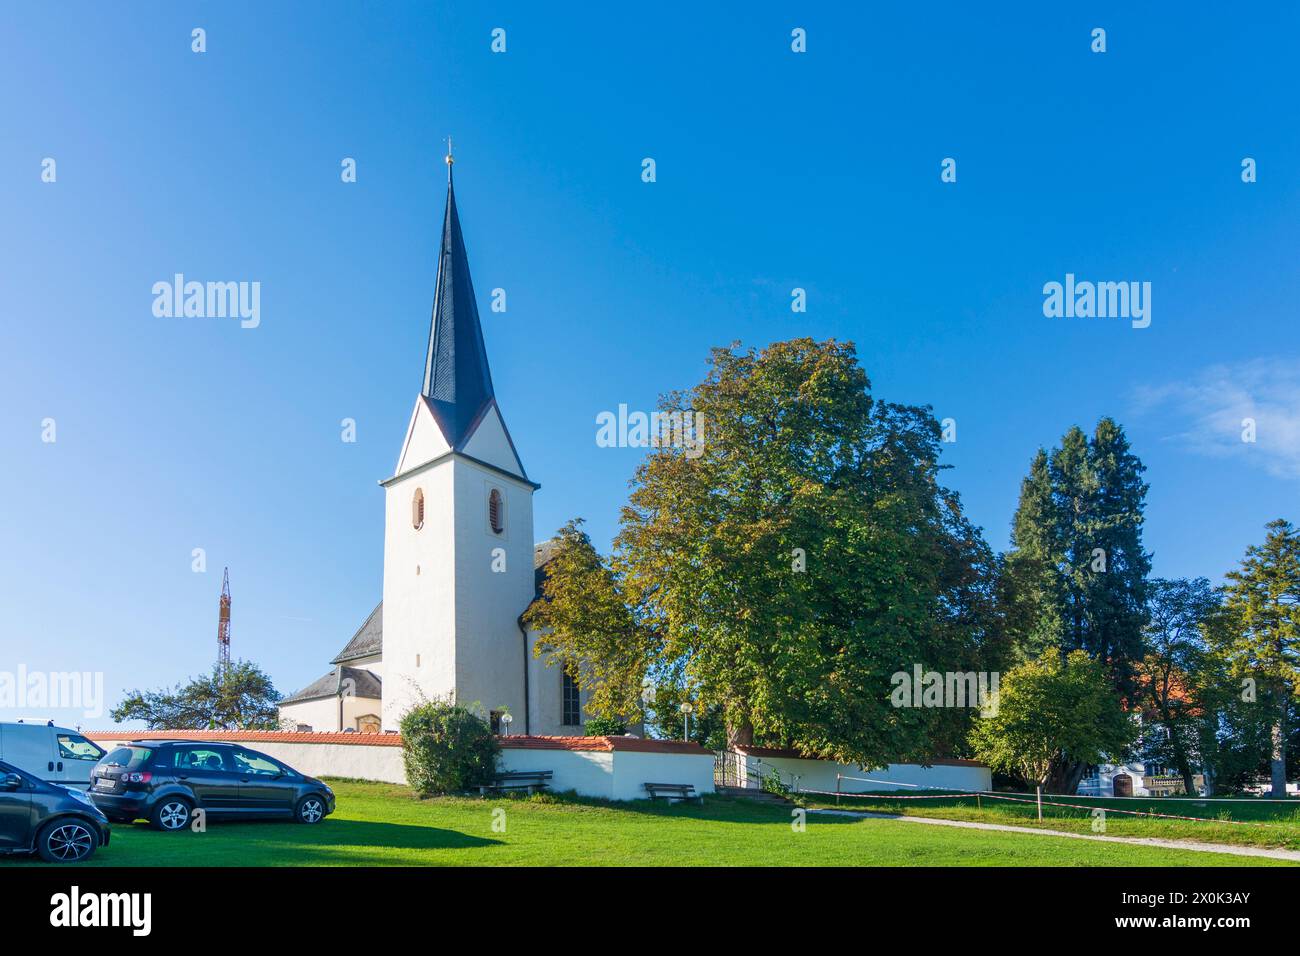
223, 624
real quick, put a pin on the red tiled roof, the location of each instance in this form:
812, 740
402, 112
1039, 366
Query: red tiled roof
604, 744
251, 736
638, 744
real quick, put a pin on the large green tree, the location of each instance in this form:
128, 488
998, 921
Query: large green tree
236, 697
1176, 656
1075, 577
783, 568
1047, 708
1259, 634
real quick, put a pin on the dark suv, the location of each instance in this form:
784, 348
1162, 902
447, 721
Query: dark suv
59, 823
166, 781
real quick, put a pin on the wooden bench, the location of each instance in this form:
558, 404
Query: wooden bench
672, 791
530, 780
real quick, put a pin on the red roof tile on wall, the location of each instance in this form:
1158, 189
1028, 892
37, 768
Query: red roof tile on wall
603, 744
252, 737
637, 744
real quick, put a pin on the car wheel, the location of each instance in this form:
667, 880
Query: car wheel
171, 814
311, 809
66, 841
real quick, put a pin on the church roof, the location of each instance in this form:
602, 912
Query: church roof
367, 641
542, 555
457, 382
363, 684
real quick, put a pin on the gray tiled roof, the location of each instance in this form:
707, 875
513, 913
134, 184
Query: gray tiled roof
456, 377
368, 640
363, 684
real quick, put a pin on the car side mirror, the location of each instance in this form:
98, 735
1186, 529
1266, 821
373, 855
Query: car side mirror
11, 781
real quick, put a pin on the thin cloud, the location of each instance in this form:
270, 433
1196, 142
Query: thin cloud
1213, 409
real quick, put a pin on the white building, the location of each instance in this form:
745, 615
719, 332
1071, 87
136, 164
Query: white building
460, 565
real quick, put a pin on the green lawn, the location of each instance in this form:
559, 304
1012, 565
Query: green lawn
385, 825
1269, 824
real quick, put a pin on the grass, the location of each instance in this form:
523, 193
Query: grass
386, 825
1267, 824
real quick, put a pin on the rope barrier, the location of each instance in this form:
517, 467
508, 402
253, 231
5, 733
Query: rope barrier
1048, 803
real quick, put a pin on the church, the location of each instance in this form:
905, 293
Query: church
460, 564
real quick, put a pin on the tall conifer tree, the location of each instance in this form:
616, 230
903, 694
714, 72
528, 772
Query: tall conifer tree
1260, 636
1076, 573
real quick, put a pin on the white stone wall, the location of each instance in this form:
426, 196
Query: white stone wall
633, 769
821, 775
589, 772
359, 761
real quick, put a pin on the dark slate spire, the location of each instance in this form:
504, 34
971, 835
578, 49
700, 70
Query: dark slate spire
456, 377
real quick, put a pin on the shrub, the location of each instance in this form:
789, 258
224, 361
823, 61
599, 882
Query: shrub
772, 784
605, 727
446, 748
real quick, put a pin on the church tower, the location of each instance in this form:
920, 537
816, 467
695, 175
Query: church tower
458, 534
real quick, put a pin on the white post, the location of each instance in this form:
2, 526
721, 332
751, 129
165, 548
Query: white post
1040, 804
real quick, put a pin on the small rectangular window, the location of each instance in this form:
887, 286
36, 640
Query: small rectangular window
572, 702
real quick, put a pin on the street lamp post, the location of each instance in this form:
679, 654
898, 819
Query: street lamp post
505, 722
686, 720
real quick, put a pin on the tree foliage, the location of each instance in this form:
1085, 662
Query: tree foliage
1169, 674
1258, 636
1049, 707
1076, 573
788, 567
447, 748
1075, 578
237, 697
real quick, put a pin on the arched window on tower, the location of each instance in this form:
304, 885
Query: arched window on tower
496, 512
417, 509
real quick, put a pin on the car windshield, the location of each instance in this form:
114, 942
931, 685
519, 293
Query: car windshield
77, 747
128, 757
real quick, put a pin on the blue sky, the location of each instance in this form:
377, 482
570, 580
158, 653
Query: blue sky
775, 170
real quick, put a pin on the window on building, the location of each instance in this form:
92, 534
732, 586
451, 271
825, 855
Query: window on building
496, 512
494, 720
571, 699
417, 509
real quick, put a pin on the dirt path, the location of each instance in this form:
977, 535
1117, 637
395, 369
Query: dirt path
1292, 855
